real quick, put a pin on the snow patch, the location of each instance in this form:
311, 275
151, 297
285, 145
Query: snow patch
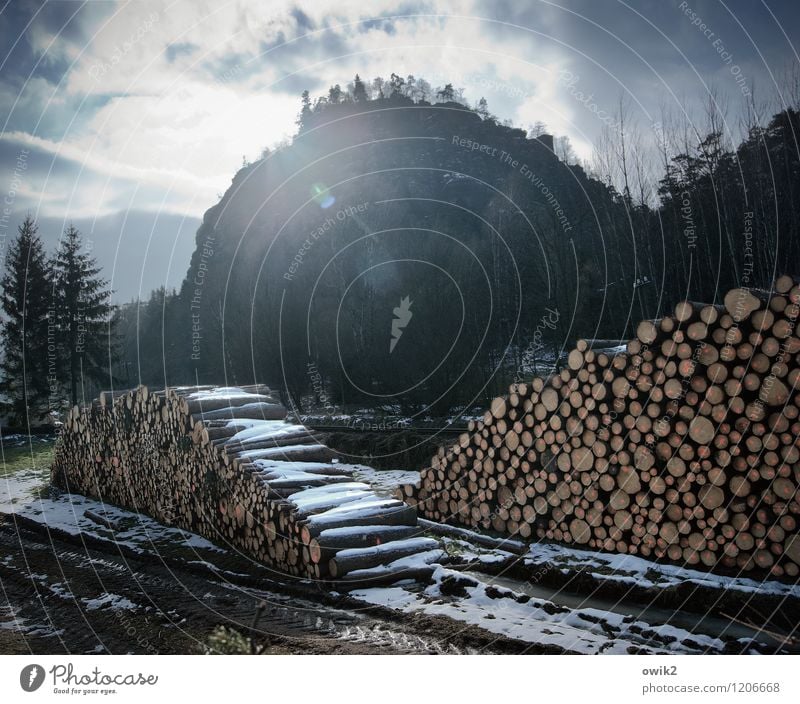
113, 601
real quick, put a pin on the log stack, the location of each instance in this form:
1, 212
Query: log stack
225, 463
682, 445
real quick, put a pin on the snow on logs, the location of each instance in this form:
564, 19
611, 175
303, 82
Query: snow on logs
682, 445
225, 463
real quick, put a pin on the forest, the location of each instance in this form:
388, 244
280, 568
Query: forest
405, 248
57, 328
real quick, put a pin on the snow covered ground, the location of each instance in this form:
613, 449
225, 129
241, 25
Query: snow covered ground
529, 613
631, 569
516, 615
21, 494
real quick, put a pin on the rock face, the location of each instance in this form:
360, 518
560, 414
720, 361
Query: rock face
312, 248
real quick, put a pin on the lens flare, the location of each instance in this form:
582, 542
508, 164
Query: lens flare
322, 195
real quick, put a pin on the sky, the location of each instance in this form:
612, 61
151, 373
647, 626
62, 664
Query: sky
129, 119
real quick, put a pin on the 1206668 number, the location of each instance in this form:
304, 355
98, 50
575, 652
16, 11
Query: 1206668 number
758, 687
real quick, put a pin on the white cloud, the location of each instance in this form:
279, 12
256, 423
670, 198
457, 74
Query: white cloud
172, 126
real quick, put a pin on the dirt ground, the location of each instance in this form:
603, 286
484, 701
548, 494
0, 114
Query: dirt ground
58, 597
141, 587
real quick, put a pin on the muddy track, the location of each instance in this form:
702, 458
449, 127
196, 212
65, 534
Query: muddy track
59, 597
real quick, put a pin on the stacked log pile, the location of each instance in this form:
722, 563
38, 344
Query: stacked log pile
225, 463
681, 445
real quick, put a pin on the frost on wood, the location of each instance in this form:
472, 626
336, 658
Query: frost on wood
203, 459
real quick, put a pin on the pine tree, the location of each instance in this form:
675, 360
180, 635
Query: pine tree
446, 94
335, 94
83, 315
396, 85
359, 90
305, 109
27, 368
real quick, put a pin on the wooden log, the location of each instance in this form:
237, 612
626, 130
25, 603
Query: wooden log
334, 539
352, 559
740, 303
256, 410
391, 515
144, 450
669, 440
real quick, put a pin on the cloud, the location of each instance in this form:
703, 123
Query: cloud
152, 106
139, 250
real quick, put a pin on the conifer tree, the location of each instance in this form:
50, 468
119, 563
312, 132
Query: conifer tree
83, 314
359, 90
27, 367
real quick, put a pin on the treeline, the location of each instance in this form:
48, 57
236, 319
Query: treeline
503, 249
57, 333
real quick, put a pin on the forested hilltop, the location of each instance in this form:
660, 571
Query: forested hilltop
408, 248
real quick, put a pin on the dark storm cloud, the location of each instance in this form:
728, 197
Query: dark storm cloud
656, 51
671, 55
32, 76
25, 24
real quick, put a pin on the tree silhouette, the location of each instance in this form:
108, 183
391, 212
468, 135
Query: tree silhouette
359, 90
83, 313
446, 94
27, 367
